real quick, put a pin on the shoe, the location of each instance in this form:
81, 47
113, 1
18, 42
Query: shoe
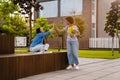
41, 52
76, 67
69, 67
47, 52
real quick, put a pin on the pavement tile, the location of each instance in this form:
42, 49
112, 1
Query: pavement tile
90, 69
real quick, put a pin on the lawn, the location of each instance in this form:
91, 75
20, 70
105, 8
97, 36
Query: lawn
25, 50
106, 54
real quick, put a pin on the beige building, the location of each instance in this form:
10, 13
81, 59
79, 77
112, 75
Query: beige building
103, 8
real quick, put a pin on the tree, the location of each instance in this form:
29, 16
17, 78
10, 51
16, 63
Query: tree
16, 26
112, 25
60, 26
42, 23
9, 22
81, 25
1, 20
6, 8
7, 29
26, 8
20, 26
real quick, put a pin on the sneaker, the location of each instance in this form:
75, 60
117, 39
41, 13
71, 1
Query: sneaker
47, 52
41, 52
76, 67
69, 67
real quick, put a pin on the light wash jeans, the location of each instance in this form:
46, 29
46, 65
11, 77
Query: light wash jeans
39, 47
72, 52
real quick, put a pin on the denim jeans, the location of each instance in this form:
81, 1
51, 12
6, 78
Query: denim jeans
72, 52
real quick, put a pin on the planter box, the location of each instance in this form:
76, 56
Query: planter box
6, 44
17, 66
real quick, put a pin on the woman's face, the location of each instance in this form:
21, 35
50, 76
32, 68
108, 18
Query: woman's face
41, 29
67, 22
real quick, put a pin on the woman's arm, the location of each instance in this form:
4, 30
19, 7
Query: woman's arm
59, 30
44, 33
77, 34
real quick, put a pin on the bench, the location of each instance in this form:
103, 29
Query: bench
7, 44
16, 66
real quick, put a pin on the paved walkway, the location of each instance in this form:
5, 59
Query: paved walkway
90, 69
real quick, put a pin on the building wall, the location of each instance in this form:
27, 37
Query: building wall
86, 15
87, 12
103, 8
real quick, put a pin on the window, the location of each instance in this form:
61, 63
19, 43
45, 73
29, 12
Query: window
50, 9
93, 7
71, 7
67, 8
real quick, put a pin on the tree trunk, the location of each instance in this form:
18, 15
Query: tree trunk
30, 34
119, 45
59, 45
62, 42
112, 46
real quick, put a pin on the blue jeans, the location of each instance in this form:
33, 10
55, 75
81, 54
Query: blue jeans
72, 52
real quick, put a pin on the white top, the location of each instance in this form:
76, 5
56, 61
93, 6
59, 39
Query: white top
68, 34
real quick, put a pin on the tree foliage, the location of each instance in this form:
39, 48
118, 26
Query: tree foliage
8, 29
26, 8
6, 8
16, 26
21, 28
81, 24
60, 26
26, 5
41, 23
11, 23
112, 25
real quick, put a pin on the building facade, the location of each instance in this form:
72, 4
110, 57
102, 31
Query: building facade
92, 11
103, 6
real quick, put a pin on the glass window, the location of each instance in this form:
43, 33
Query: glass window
71, 7
93, 7
50, 9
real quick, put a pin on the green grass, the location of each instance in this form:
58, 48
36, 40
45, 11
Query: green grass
21, 50
105, 54
25, 50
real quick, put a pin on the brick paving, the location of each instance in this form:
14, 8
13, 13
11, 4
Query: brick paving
90, 69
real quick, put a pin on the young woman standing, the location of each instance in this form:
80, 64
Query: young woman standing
72, 42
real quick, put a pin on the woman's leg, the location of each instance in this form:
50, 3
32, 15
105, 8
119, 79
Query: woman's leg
75, 51
37, 48
69, 52
46, 46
